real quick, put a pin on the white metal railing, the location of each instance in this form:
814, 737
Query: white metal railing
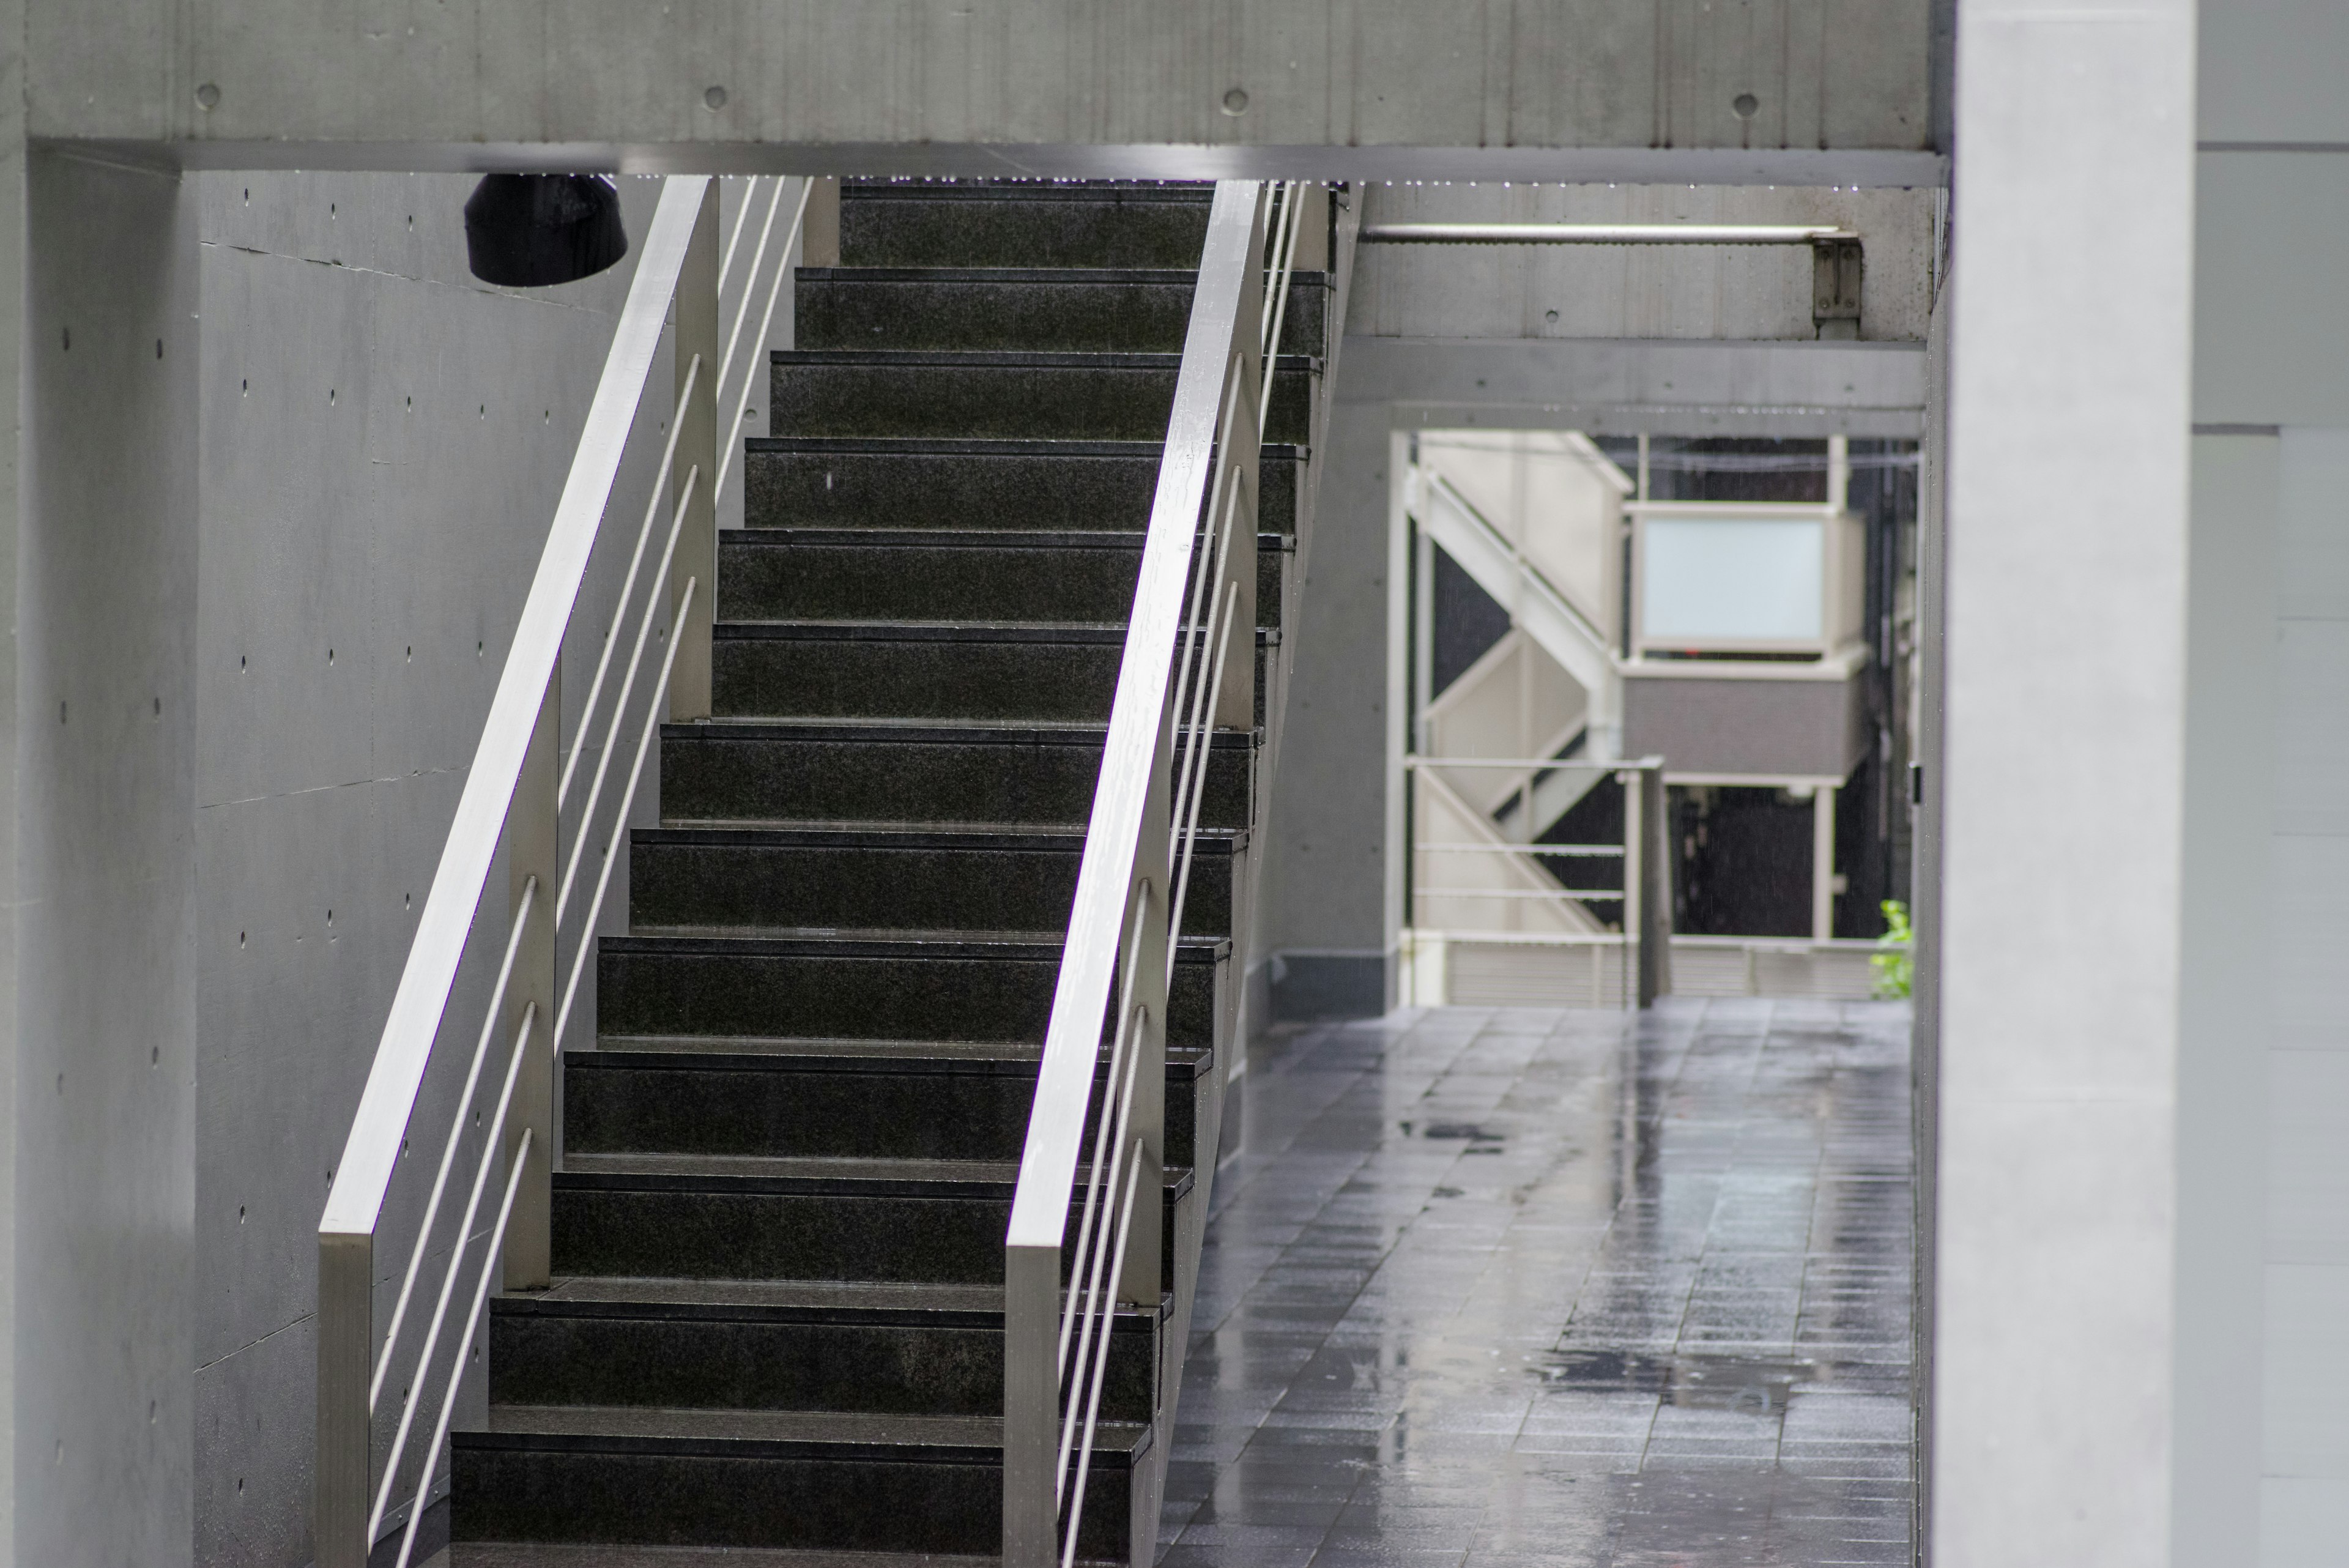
369, 1381
1194, 617
1644, 931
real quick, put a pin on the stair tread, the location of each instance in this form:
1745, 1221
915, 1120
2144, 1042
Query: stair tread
596, 1554
779, 1300
814, 1173
1010, 359
1031, 947
897, 834
791, 535
980, 446
1108, 275
845, 630
817, 1055
910, 1435
949, 731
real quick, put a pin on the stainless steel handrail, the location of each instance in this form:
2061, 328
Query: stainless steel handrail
1193, 613
514, 796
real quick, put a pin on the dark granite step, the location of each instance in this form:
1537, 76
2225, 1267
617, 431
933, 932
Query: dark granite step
909, 1100
1001, 396
1025, 487
847, 771
724, 1345
887, 878
1069, 310
863, 986
739, 1217
763, 1479
898, 669
592, 1555
927, 575
969, 223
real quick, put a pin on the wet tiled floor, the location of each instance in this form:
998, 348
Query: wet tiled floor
1487, 1288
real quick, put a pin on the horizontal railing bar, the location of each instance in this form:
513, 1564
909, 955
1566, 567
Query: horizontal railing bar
1586, 849
627, 801
1609, 894
628, 586
1535, 764
449, 1152
472, 1326
1101, 1365
766, 320
456, 1257
627, 685
1600, 233
355, 1200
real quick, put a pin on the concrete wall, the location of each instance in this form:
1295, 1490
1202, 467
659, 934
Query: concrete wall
2271, 402
382, 441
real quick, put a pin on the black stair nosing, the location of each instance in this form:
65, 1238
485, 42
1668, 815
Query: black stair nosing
1101, 192
1006, 360
925, 732
713, 1053
1126, 1318
1102, 276
786, 536
709, 1053
1115, 1445
986, 446
1012, 838
1178, 1181
961, 945
1083, 633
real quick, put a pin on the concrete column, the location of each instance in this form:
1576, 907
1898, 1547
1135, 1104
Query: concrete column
2061, 922
100, 541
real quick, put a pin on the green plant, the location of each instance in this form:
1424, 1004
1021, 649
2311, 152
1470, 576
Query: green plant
1894, 962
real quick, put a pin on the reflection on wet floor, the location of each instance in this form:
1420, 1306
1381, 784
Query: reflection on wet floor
1486, 1288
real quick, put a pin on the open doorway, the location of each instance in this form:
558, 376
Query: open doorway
1735, 612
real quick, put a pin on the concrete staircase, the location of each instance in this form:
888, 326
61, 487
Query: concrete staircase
779, 1222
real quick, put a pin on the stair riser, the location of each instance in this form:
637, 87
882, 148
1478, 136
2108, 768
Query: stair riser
766, 576
715, 777
1136, 230
802, 677
1066, 402
656, 988
734, 1233
871, 888
653, 1106
683, 1497
840, 309
539, 1357
1029, 492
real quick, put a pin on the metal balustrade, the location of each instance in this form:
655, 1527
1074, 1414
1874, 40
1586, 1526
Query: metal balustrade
1643, 937
1193, 617
515, 794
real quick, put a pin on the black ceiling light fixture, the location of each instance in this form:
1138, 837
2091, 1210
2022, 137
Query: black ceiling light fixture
529, 231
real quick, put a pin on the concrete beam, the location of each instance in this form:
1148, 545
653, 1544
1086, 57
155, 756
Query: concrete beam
1839, 92
1613, 386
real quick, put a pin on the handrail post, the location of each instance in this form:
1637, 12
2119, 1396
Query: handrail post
1031, 1405
533, 829
342, 1485
1646, 878
697, 452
